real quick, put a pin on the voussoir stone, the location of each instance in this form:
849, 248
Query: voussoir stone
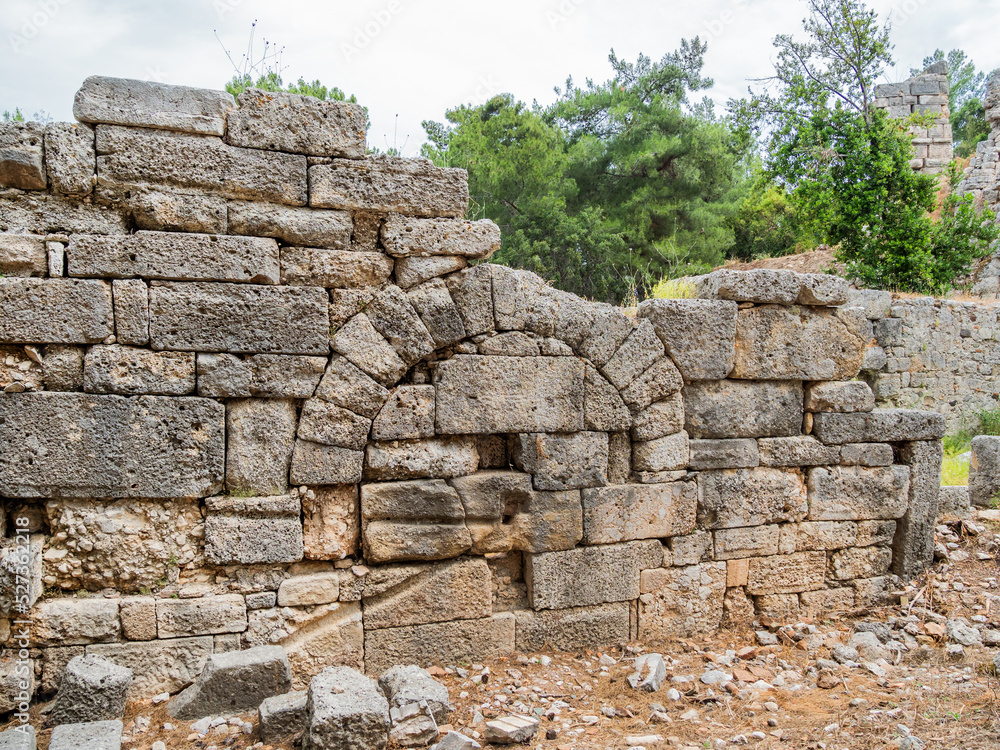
55, 311
347, 386
405, 236
408, 414
367, 349
699, 335
741, 409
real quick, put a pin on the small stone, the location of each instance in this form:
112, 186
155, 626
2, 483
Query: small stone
161, 698
650, 672
511, 729
673, 694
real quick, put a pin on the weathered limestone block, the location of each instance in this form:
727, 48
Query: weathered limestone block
439, 592
736, 409
876, 532
412, 271
260, 435
147, 104
21, 161
509, 344
589, 575
866, 454
92, 689
392, 315
298, 124
699, 335
603, 408
440, 642
766, 286
137, 158
62, 368
598, 627
258, 375
658, 383
659, 419
753, 541
563, 462
131, 303
984, 470
639, 351
175, 256
408, 414
327, 267
175, 211
860, 562
472, 292
73, 622
780, 343
95, 735
281, 716
253, 530
345, 385
332, 634
403, 236
878, 426
239, 318
482, 395
609, 330
780, 607
40, 213
364, 346
297, 227
21, 737
750, 497
345, 709
226, 613
158, 666
414, 187
438, 311
234, 682
128, 371
787, 574
913, 545
23, 255
850, 493
346, 303
138, 617
331, 525
819, 535
412, 459
422, 520
313, 463
801, 450
681, 601
663, 454
406, 686
20, 571
875, 303
852, 396
689, 549
736, 453
309, 589
55, 311
635, 511
329, 424
76, 445
823, 289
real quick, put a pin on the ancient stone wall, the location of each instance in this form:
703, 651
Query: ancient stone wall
926, 93
254, 392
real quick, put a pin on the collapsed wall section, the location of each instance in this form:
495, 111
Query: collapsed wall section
257, 389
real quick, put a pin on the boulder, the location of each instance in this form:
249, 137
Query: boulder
92, 689
282, 715
345, 709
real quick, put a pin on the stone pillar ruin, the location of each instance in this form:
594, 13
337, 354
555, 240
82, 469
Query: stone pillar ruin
923, 93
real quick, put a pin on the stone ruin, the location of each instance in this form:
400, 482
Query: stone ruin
257, 390
926, 93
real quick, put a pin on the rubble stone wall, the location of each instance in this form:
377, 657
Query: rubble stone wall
258, 389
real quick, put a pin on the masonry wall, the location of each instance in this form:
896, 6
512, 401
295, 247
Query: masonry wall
258, 388
926, 93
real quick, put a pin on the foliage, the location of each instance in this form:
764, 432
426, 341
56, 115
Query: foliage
770, 223
673, 289
15, 116
954, 471
969, 126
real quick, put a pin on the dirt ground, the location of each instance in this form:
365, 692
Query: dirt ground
792, 694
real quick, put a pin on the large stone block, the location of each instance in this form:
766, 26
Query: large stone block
174, 256
438, 311
258, 375
73, 622
55, 311
329, 267
76, 445
681, 601
345, 385
732, 498
21, 156
442, 457
253, 530
801, 450
128, 371
298, 124
737, 453
70, 159
92, 689
860, 562
414, 187
733, 544
780, 343
482, 395
661, 381
984, 470
134, 158
403, 237
392, 315
637, 511
297, 227
563, 462
40, 213
853, 493
913, 545
23, 255
226, 613
699, 335
787, 574
440, 642
345, 709
603, 408
169, 210
147, 104
855, 395
472, 292
637, 354
878, 426
158, 666
329, 424
668, 453
413, 271
408, 414
365, 347
260, 436
333, 634
598, 627
314, 463
609, 329
736, 409
94, 735
659, 419
131, 299
589, 575
240, 318
331, 522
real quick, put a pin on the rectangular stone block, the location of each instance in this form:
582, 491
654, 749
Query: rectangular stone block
866, 454
158, 666
134, 158
659, 419
74, 621
408, 414
752, 541
668, 453
796, 451
843, 397
226, 613
138, 617
329, 267
78, 445
170, 210
55, 311
787, 574
453, 642
313, 463
853, 493
240, 318
329, 424
699, 335
828, 600
681, 601
22, 163
413, 187
740, 409
175, 256
70, 160
913, 545
253, 530
412, 459
40, 213
860, 562
732, 498
258, 375
819, 535
563, 462
597, 627
879, 426
481, 395
331, 524
405, 237
737, 453
23, 255
297, 227
128, 371
147, 104
260, 435
635, 511
298, 124
131, 301
589, 575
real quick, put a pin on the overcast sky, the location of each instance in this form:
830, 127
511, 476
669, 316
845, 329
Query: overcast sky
417, 58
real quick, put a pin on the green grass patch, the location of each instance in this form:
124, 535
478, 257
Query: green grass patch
954, 471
